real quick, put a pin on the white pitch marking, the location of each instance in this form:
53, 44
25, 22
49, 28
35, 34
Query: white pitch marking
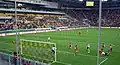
63, 63
103, 61
113, 44
78, 54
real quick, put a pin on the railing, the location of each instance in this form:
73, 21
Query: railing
30, 1
8, 59
32, 11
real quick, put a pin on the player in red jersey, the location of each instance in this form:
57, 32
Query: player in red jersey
76, 50
110, 48
103, 45
79, 33
100, 51
70, 46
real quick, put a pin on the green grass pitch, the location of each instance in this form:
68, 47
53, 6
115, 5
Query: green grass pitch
65, 56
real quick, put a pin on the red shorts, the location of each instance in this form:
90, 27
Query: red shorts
110, 49
70, 46
76, 51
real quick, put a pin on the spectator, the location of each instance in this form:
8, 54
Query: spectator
15, 58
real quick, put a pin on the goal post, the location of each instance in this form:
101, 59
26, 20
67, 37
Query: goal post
38, 50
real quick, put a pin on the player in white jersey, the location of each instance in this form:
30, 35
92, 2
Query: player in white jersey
88, 48
48, 39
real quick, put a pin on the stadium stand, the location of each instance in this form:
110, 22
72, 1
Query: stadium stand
109, 17
43, 21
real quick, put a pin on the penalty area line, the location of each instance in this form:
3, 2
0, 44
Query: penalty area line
113, 44
78, 54
61, 63
103, 61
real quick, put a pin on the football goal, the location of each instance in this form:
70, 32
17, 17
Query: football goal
38, 51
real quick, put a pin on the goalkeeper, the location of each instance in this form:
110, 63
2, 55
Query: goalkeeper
53, 49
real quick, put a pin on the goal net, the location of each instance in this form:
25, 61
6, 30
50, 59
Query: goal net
38, 50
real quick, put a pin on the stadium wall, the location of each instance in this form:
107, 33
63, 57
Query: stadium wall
30, 31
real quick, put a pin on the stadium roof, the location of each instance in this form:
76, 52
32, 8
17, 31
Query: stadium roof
82, 4
27, 2
62, 4
35, 3
48, 7
31, 11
